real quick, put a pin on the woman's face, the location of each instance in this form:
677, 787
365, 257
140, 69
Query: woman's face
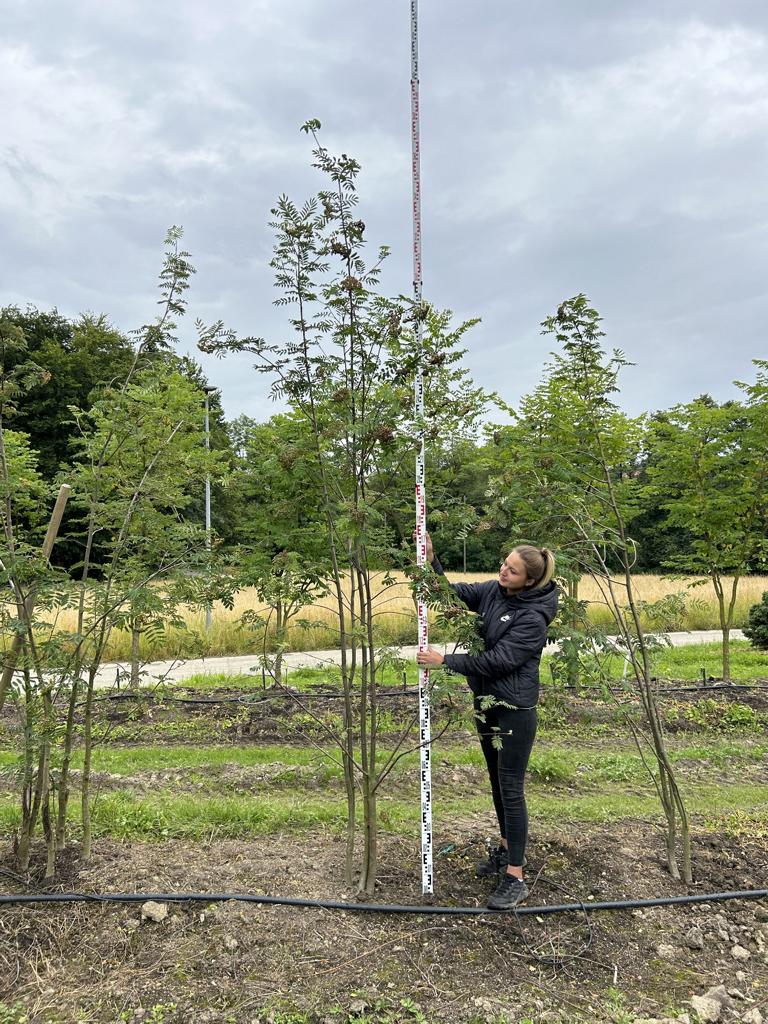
512, 574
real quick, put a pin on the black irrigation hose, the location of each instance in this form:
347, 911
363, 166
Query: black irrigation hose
376, 908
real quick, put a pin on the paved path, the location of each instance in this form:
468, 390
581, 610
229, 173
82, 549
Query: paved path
176, 671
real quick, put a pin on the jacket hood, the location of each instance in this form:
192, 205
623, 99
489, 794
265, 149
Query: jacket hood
545, 600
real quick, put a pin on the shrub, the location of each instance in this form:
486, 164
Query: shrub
756, 630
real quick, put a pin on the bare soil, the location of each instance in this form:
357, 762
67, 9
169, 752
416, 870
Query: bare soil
236, 962
239, 963
223, 714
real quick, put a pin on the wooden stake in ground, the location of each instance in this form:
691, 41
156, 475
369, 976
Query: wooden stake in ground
29, 605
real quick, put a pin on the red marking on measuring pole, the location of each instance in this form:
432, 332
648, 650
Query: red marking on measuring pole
425, 731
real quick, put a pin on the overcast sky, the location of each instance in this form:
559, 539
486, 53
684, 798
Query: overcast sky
615, 147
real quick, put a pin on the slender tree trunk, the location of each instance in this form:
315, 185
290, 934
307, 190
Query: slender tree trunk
727, 631
672, 802
45, 801
28, 820
348, 716
26, 829
353, 722
573, 665
726, 620
370, 811
348, 730
368, 867
280, 631
49, 831
69, 731
671, 799
370, 837
135, 656
349, 786
37, 798
278, 669
347, 726
85, 848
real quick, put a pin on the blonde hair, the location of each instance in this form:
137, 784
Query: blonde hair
539, 563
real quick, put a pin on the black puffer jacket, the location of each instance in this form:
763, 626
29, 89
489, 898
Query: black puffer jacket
514, 631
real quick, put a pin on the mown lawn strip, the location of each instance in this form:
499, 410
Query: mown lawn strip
167, 815
549, 762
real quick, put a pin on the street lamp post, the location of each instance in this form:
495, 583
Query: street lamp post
208, 391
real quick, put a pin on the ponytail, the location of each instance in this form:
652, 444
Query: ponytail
539, 564
549, 567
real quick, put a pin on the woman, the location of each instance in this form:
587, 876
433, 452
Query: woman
514, 614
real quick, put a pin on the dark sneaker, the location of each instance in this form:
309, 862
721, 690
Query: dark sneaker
508, 894
498, 858
497, 861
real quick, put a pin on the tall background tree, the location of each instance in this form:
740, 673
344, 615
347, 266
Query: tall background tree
710, 476
77, 356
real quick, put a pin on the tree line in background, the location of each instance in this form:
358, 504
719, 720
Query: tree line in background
319, 498
696, 470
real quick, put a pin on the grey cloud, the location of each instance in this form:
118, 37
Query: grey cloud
615, 148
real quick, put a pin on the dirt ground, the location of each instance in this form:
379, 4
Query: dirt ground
241, 963
234, 963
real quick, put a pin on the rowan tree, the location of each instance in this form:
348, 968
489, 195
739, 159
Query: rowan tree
140, 446
348, 375
572, 481
710, 476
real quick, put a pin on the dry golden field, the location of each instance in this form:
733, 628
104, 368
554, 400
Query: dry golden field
396, 617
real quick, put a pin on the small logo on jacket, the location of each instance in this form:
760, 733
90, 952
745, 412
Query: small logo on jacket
504, 618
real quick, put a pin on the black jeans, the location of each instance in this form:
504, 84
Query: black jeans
513, 731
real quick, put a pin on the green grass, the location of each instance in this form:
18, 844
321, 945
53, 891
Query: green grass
130, 760
549, 762
686, 663
304, 679
721, 754
212, 681
680, 663
165, 815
